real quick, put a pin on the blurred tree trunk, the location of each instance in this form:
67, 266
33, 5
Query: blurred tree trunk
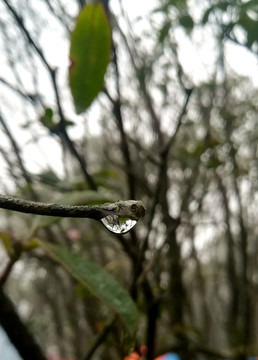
17, 331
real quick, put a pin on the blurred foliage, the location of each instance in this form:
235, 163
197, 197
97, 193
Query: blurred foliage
171, 125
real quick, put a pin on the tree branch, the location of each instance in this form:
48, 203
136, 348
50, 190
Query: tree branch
120, 124
131, 209
17, 331
99, 340
169, 144
52, 72
16, 150
27, 96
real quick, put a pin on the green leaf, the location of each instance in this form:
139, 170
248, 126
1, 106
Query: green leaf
187, 22
213, 163
251, 4
89, 55
178, 3
47, 177
6, 242
69, 123
98, 281
49, 113
206, 15
163, 32
47, 119
251, 28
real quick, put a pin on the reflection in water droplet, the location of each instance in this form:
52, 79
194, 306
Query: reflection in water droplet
118, 225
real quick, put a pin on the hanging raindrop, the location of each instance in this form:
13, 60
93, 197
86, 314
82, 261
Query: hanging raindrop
118, 225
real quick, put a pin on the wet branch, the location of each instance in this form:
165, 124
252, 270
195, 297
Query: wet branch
131, 209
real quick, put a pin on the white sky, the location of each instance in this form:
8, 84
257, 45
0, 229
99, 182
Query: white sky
7, 350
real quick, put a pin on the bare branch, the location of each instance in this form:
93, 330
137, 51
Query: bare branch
27, 96
99, 340
16, 150
179, 121
117, 104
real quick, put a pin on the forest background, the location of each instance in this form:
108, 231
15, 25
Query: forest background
175, 126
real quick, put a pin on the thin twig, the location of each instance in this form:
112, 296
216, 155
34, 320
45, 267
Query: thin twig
27, 96
16, 150
162, 168
20, 23
179, 121
6, 272
143, 88
120, 124
15, 255
99, 340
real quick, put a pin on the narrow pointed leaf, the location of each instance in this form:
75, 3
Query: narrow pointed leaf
98, 281
89, 55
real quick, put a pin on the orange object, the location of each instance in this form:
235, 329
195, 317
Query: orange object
132, 356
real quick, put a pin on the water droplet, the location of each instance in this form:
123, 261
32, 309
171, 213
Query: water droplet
117, 224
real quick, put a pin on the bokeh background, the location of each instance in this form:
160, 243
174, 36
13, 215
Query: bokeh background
176, 127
